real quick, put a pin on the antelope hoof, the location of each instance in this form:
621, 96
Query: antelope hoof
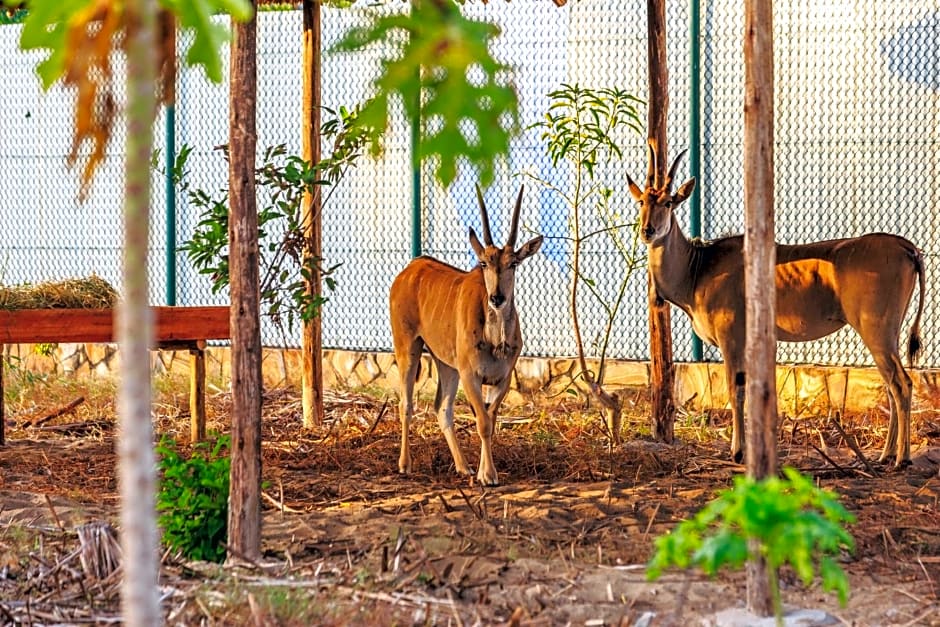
404, 467
902, 464
487, 481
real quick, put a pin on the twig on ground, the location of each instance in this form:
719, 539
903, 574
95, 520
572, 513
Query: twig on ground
830, 460
379, 417
280, 504
55, 414
836, 421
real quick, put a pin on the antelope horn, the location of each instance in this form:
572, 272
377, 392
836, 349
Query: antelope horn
487, 238
672, 170
651, 164
514, 226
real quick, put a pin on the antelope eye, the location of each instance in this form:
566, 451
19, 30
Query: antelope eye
514, 264
483, 265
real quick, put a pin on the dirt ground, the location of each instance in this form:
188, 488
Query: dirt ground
347, 541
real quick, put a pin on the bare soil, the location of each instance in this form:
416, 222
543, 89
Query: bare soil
348, 541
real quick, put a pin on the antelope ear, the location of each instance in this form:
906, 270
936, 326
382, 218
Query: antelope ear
529, 248
475, 243
635, 190
684, 191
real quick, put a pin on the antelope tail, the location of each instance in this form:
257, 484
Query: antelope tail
914, 344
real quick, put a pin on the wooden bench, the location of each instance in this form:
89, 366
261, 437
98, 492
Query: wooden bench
175, 328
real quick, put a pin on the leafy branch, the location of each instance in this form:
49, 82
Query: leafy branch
443, 71
283, 179
782, 520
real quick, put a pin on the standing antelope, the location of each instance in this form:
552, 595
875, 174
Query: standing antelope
865, 282
469, 324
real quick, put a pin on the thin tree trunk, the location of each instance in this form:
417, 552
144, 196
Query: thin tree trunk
759, 258
662, 369
244, 518
312, 217
136, 458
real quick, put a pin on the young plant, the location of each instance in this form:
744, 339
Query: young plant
282, 180
581, 129
193, 499
785, 520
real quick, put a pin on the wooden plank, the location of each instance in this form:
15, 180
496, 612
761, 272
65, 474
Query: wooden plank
29, 326
192, 323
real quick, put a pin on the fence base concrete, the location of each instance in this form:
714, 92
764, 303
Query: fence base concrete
802, 389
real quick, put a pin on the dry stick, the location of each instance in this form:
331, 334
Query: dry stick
470, 505
280, 504
447, 506
55, 414
916, 621
652, 518
378, 418
453, 608
86, 425
851, 442
55, 516
830, 460
399, 545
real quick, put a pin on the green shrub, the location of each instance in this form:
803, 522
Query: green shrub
784, 520
193, 498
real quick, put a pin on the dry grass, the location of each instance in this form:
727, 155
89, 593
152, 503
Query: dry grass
86, 293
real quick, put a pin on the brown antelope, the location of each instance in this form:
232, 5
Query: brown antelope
469, 324
865, 282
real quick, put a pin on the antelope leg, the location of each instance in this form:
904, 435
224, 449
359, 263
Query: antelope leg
444, 404
473, 388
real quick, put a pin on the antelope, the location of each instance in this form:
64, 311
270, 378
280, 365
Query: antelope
468, 322
865, 282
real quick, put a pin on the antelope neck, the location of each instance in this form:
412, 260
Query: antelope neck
499, 324
671, 260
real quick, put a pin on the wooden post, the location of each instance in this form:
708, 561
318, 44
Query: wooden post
244, 518
662, 369
197, 392
759, 259
312, 401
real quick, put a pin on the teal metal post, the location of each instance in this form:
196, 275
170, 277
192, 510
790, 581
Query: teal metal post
170, 206
695, 136
416, 177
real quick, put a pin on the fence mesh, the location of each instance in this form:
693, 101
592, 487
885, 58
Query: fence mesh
857, 132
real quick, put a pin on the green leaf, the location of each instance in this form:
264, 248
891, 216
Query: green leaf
468, 107
196, 16
791, 521
45, 28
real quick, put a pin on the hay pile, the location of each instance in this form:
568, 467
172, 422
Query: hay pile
88, 293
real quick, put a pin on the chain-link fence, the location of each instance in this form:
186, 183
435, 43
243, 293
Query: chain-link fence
857, 150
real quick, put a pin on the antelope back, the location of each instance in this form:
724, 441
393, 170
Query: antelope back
499, 263
656, 200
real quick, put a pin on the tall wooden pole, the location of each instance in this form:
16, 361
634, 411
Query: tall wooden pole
244, 518
140, 604
759, 259
312, 216
662, 369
